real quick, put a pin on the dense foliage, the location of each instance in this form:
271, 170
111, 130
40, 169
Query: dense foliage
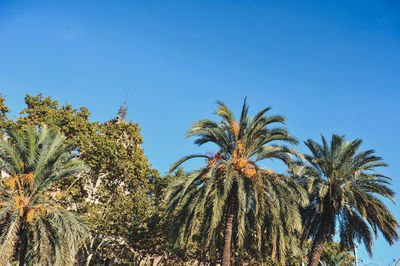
233, 210
117, 196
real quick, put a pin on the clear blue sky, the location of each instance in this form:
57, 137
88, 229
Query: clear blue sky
328, 66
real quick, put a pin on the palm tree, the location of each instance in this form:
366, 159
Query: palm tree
346, 191
232, 193
33, 227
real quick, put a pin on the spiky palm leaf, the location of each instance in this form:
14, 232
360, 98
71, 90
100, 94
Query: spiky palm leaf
33, 228
233, 184
346, 191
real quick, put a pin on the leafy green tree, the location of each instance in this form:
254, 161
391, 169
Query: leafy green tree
4, 120
119, 194
345, 192
233, 194
35, 229
73, 123
121, 188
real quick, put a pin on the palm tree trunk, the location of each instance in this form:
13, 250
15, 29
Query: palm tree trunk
317, 246
322, 234
24, 244
226, 254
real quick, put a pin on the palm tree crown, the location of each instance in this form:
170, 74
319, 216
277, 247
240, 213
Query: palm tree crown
33, 228
232, 192
346, 191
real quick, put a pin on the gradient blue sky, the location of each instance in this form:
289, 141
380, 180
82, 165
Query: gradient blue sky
328, 66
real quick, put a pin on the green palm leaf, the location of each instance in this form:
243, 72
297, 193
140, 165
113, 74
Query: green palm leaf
34, 228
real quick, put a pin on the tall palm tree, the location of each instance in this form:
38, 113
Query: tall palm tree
232, 192
33, 228
346, 192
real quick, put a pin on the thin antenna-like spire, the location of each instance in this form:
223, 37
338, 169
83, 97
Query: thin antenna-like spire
123, 110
